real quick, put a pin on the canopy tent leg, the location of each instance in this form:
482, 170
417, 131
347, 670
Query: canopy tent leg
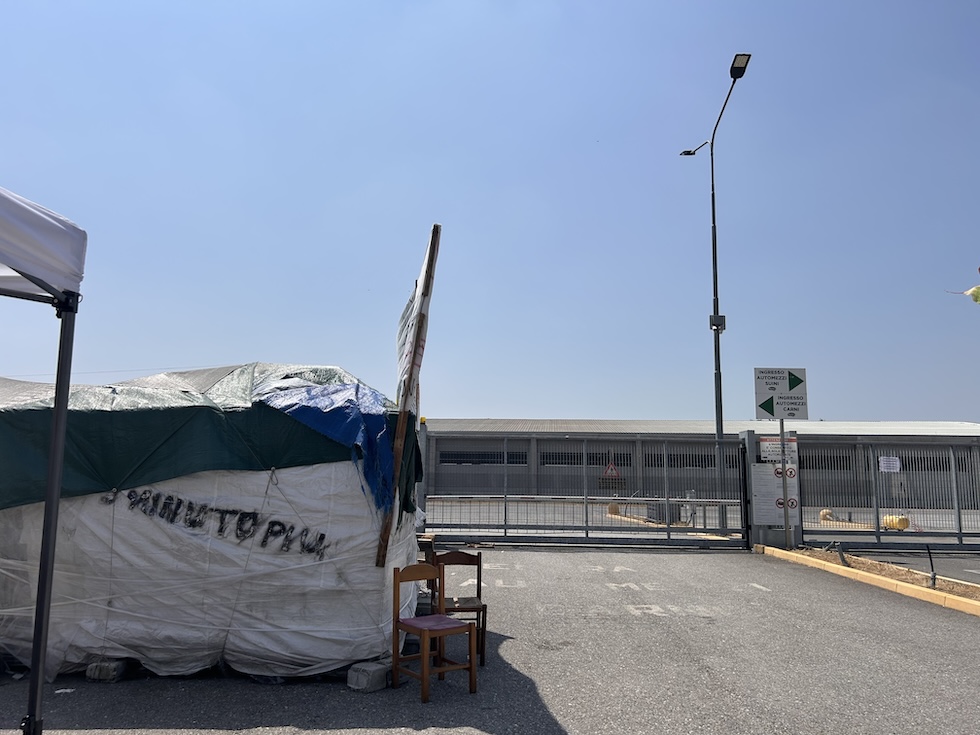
32, 722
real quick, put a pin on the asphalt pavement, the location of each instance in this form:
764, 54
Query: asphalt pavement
617, 641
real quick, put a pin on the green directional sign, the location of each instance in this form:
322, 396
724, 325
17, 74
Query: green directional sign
780, 393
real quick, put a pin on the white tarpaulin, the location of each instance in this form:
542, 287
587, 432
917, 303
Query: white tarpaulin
39, 243
272, 572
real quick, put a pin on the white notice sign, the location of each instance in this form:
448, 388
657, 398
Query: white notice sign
771, 451
767, 495
889, 464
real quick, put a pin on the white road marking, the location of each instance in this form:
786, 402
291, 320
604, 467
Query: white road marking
972, 571
759, 587
680, 611
651, 586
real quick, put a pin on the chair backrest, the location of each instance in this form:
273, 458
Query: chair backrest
462, 558
417, 573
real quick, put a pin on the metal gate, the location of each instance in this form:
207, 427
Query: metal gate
580, 490
889, 492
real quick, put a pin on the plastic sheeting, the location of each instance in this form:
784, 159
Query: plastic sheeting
244, 417
271, 572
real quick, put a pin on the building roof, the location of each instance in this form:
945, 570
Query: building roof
703, 428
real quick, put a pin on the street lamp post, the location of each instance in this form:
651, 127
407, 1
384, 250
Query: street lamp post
717, 320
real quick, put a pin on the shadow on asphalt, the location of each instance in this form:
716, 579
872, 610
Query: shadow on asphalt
506, 701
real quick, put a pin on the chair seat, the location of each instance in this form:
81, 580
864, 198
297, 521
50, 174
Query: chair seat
465, 603
433, 623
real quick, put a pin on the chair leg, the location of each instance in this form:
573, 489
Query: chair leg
472, 667
482, 631
441, 656
425, 659
394, 658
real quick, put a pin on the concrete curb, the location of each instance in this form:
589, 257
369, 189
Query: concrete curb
971, 607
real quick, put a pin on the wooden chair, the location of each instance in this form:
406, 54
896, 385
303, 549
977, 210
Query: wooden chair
471, 607
431, 629
427, 547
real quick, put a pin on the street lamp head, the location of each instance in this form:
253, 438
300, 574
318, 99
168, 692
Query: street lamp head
692, 151
738, 65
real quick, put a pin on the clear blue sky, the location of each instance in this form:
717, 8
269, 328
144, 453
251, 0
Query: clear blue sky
258, 181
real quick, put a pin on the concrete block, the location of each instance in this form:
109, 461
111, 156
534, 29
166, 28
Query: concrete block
369, 676
106, 671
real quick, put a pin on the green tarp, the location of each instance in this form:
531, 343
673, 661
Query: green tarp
152, 429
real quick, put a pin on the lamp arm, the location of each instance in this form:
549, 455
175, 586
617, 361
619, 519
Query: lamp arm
718, 121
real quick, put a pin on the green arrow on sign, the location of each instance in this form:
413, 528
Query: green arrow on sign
767, 405
794, 380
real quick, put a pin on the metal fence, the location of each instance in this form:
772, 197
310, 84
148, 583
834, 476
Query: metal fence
614, 490
891, 491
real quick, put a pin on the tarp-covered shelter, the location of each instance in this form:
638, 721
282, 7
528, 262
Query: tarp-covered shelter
42, 258
223, 515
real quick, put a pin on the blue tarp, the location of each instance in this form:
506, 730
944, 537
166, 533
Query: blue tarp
353, 415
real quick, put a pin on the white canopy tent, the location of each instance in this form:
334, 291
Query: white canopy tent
42, 258
42, 254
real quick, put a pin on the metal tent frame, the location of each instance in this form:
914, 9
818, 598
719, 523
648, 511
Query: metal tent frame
24, 235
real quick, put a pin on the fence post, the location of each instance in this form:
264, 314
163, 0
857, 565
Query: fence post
872, 467
638, 470
720, 505
667, 489
956, 496
585, 483
506, 483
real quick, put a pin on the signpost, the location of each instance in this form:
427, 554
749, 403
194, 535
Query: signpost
780, 393
410, 344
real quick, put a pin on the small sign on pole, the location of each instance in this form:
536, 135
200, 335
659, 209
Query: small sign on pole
771, 449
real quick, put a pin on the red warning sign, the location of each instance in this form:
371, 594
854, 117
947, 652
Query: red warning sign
611, 471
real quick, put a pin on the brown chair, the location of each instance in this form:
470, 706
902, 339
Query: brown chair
471, 607
431, 629
427, 547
